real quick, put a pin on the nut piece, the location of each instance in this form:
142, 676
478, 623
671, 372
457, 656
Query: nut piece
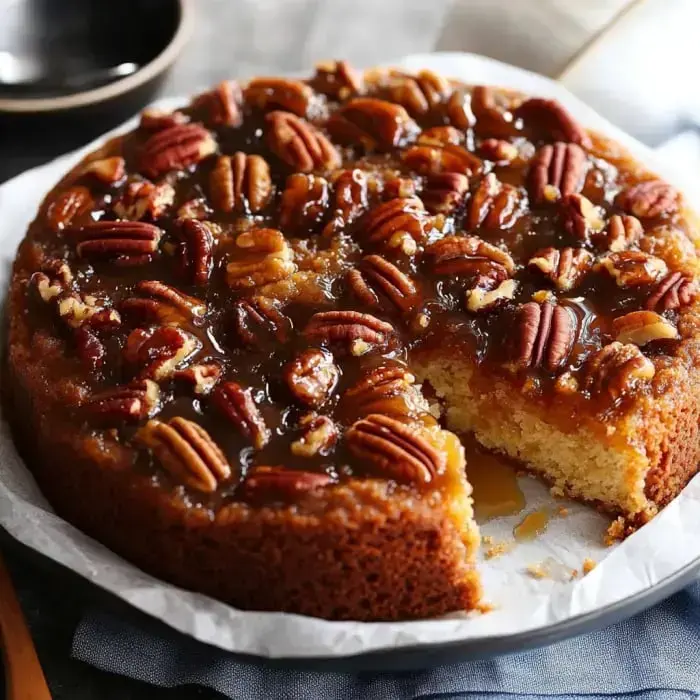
547, 119
617, 370
580, 217
300, 144
124, 404
76, 310
124, 242
486, 296
556, 170
352, 331
396, 450
337, 79
265, 257
441, 159
470, 256
305, 201
376, 276
632, 268
160, 303
106, 170
195, 250
622, 233
420, 94
444, 192
674, 290
350, 189
311, 376
319, 435
258, 320
220, 105
196, 208
280, 94
53, 280
69, 207
236, 403
499, 151
187, 451
386, 389
175, 148
492, 113
494, 204
459, 111
546, 335
264, 484
441, 136
375, 125
240, 182
142, 199
649, 199
642, 327
159, 119
393, 223
565, 267
159, 351
202, 377
89, 348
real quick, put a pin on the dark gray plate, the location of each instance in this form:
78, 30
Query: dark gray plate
406, 659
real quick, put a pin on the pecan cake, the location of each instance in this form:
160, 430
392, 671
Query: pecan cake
240, 335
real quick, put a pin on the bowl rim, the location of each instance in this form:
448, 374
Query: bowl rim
106, 92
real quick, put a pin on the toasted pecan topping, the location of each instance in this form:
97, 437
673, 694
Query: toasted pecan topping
546, 334
565, 267
300, 144
279, 483
556, 170
176, 148
649, 199
353, 331
311, 376
617, 369
377, 277
241, 182
237, 406
674, 291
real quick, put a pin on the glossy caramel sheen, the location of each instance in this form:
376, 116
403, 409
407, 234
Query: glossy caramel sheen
323, 256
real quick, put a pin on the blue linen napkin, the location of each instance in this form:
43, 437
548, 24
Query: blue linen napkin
653, 656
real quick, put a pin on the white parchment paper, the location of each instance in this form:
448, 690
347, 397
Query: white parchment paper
520, 602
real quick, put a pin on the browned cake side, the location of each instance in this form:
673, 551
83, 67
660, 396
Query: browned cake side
215, 322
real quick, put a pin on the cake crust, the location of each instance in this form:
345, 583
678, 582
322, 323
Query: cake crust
215, 321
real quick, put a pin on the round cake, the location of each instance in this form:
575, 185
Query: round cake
242, 334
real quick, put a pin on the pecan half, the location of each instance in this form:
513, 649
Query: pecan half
565, 267
311, 376
279, 94
220, 106
546, 335
175, 148
547, 119
421, 93
53, 280
674, 291
106, 170
642, 327
258, 320
187, 451
499, 151
392, 223
444, 192
337, 79
458, 110
492, 113
304, 203
70, 206
376, 276
386, 389
236, 403
649, 199
143, 199
265, 483
195, 250
373, 124
202, 377
265, 257
158, 119
124, 242
617, 370
441, 136
621, 233
240, 182
488, 294
494, 204
632, 268
580, 217
350, 194
470, 255
352, 331
395, 449
439, 159
319, 435
300, 144
130, 403
556, 170
159, 351
89, 348
160, 303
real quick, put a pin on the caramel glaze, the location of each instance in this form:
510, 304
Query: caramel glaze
483, 336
